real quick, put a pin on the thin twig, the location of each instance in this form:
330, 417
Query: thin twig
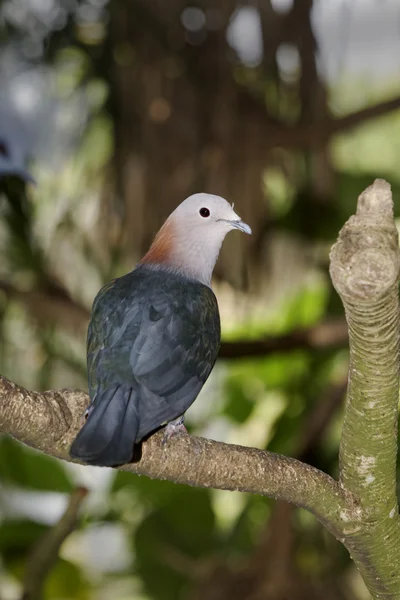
328, 334
45, 554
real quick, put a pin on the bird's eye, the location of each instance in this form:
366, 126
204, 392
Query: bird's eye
204, 212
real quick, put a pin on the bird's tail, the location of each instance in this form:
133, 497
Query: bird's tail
108, 436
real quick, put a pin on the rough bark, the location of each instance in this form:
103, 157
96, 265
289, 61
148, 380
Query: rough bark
365, 267
50, 421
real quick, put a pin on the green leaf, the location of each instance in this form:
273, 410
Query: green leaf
21, 466
18, 536
238, 405
17, 539
66, 581
171, 539
273, 372
150, 492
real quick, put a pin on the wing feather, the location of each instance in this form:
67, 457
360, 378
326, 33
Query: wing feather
157, 332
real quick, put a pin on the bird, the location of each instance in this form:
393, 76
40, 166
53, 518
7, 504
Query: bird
154, 335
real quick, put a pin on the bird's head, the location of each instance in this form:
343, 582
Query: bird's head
191, 237
208, 215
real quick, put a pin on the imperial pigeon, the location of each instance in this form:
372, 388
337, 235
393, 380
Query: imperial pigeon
154, 334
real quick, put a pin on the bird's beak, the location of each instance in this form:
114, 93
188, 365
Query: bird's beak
239, 224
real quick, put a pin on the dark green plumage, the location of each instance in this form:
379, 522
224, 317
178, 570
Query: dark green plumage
152, 342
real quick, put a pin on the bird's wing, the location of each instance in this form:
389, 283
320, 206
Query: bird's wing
159, 336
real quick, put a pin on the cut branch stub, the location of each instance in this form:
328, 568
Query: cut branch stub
365, 261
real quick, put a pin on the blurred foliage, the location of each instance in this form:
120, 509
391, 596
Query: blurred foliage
143, 539
25, 468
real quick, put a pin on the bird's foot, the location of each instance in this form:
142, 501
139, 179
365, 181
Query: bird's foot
88, 411
173, 428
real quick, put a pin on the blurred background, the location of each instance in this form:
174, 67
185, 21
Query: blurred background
119, 110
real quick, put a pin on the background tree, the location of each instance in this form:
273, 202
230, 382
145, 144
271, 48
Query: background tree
126, 109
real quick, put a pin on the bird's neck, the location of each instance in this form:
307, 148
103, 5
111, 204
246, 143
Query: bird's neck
184, 253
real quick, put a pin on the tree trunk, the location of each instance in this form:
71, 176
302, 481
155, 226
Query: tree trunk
182, 122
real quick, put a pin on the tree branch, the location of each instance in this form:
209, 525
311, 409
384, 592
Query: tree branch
309, 136
360, 509
45, 553
365, 114
365, 266
50, 421
46, 306
328, 334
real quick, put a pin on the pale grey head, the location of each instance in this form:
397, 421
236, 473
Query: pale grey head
191, 237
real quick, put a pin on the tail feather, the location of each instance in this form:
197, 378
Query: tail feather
108, 436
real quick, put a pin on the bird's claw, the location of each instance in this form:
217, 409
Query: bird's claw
176, 427
87, 412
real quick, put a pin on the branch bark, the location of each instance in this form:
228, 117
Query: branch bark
361, 508
365, 266
49, 422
